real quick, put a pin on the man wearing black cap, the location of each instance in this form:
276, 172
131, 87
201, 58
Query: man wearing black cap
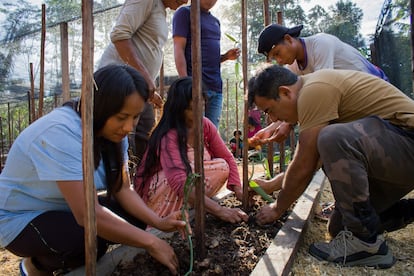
304, 55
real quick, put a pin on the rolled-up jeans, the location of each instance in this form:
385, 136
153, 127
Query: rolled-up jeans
214, 106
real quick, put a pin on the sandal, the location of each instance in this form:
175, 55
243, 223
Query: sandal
22, 267
27, 268
326, 211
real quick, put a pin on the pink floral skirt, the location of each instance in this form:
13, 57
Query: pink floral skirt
163, 200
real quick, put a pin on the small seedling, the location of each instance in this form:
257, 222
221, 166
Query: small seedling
260, 191
188, 186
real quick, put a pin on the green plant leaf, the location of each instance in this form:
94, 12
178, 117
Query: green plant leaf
260, 191
231, 38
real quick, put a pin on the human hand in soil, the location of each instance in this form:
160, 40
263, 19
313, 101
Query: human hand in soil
164, 253
267, 214
174, 222
232, 215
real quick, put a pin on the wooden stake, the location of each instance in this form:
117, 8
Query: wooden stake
246, 107
32, 113
64, 53
87, 137
42, 62
198, 129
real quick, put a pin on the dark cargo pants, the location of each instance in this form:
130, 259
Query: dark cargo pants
370, 164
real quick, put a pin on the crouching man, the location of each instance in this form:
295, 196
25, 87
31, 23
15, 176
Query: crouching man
361, 129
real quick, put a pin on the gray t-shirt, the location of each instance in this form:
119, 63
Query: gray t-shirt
143, 21
325, 51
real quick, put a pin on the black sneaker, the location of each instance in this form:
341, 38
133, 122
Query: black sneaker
347, 250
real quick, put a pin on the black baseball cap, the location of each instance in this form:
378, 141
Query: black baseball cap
273, 34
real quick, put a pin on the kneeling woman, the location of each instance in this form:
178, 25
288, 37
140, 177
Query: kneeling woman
170, 158
42, 190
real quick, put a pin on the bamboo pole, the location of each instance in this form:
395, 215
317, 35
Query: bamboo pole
266, 12
281, 145
270, 145
9, 123
2, 144
32, 113
87, 137
246, 107
198, 130
237, 121
412, 39
64, 53
227, 109
42, 62
162, 83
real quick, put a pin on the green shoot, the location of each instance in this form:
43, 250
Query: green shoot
260, 191
188, 186
267, 169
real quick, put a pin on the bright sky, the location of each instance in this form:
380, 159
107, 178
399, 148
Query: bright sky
370, 8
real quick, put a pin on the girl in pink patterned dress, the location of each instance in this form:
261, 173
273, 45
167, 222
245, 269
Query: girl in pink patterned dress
169, 158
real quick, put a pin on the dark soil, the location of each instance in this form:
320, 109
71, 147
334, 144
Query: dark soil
232, 249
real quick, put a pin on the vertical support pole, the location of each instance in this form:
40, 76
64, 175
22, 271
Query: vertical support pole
162, 83
245, 200
270, 146
238, 150
9, 123
412, 39
266, 12
87, 98
201, 251
32, 110
42, 62
2, 144
64, 54
227, 109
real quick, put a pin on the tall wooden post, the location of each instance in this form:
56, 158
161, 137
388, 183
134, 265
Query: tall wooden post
237, 121
412, 39
270, 146
64, 54
32, 116
245, 199
42, 62
9, 123
87, 98
266, 12
227, 109
2, 144
198, 129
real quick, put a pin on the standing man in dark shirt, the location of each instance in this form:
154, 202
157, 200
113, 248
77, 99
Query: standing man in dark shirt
210, 52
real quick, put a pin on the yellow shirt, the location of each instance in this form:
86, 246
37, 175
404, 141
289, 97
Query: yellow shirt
340, 96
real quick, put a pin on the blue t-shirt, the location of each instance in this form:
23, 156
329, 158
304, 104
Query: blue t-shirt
210, 44
48, 150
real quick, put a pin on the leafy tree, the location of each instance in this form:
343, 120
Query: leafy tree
345, 23
318, 19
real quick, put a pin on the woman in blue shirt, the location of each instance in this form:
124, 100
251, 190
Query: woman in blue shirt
42, 191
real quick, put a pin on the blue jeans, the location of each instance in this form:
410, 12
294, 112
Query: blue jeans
214, 105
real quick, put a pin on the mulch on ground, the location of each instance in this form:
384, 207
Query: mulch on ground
232, 249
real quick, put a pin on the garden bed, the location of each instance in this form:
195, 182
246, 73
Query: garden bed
271, 257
